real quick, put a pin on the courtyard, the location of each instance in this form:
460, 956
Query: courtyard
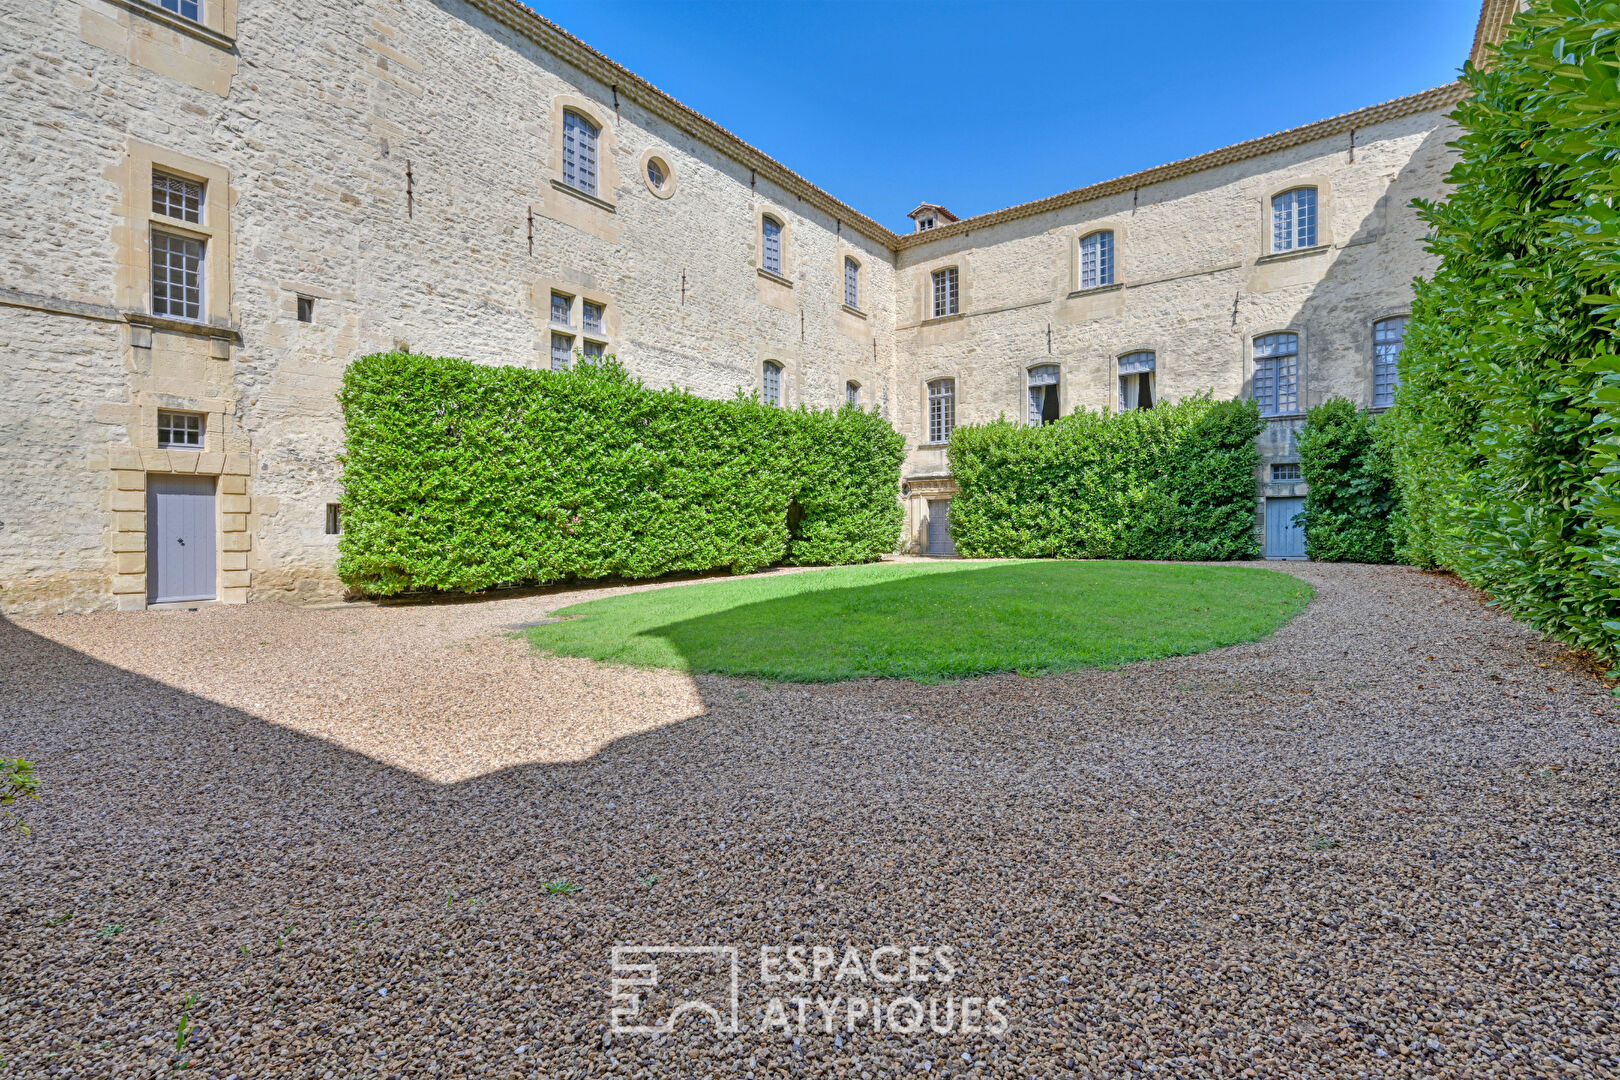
398, 840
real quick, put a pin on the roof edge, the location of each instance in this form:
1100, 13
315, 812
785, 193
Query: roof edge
1494, 17
553, 38
1438, 98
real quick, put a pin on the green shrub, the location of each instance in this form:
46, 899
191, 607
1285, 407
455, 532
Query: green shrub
1348, 507
459, 476
1505, 421
17, 781
1175, 482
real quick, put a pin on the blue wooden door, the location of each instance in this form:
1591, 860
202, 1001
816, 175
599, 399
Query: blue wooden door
1284, 539
180, 538
939, 528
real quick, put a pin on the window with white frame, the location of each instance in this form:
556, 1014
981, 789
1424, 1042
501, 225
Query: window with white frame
177, 272
941, 410
592, 317
1276, 374
1285, 472
1043, 394
1388, 337
852, 282
771, 245
562, 309
1136, 372
852, 393
176, 197
180, 429
771, 383
579, 152
1293, 220
186, 9
1097, 260
947, 299
562, 352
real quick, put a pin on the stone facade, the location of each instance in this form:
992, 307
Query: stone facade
394, 170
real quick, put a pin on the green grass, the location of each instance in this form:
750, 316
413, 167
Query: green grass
930, 621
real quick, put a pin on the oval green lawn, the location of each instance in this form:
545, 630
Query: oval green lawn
930, 621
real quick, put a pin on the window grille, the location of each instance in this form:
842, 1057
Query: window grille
579, 153
177, 276
1097, 260
176, 197
1293, 220
1276, 374
334, 519
946, 295
941, 410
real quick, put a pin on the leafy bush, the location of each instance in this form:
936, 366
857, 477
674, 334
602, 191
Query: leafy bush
458, 476
1174, 482
1347, 509
1505, 424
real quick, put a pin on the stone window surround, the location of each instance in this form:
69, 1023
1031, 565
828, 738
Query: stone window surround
1251, 336
133, 237
956, 405
787, 250
788, 359
541, 289
1158, 369
647, 156
922, 289
861, 284
217, 25
1121, 232
1324, 216
607, 146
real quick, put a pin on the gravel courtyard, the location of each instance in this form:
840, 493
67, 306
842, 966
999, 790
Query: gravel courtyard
1382, 843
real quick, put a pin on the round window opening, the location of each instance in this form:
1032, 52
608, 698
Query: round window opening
655, 173
660, 177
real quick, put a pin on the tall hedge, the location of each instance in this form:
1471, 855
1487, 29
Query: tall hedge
1505, 422
1174, 482
1351, 495
459, 476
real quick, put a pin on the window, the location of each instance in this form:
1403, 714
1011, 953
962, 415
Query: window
1388, 337
593, 317
771, 249
1285, 472
177, 263
186, 9
941, 410
562, 352
306, 309
594, 350
180, 429
946, 297
852, 393
655, 174
1043, 394
773, 383
562, 309
178, 198
1293, 220
852, 282
334, 519
1136, 380
579, 153
1097, 260
1276, 374
925, 223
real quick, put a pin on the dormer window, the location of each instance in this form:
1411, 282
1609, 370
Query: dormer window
931, 216
926, 222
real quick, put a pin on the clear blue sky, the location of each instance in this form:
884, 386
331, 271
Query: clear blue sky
982, 105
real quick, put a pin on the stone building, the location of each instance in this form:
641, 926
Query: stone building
214, 205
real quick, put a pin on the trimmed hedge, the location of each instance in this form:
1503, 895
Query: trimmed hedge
1351, 495
460, 476
1173, 482
1504, 427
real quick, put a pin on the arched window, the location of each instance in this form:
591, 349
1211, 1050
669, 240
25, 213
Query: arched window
852, 393
579, 153
941, 410
1136, 371
1388, 337
1276, 374
852, 282
1097, 260
771, 245
1043, 394
772, 383
1293, 220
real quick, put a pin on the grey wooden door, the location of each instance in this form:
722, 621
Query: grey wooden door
180, 538
939, 528
1284, 539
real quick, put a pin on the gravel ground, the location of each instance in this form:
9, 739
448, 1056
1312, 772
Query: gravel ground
1381, 843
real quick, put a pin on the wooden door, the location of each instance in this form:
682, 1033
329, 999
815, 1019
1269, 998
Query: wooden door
1284, 538
181, 538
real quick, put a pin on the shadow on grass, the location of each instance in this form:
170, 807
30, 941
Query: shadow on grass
932, 623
